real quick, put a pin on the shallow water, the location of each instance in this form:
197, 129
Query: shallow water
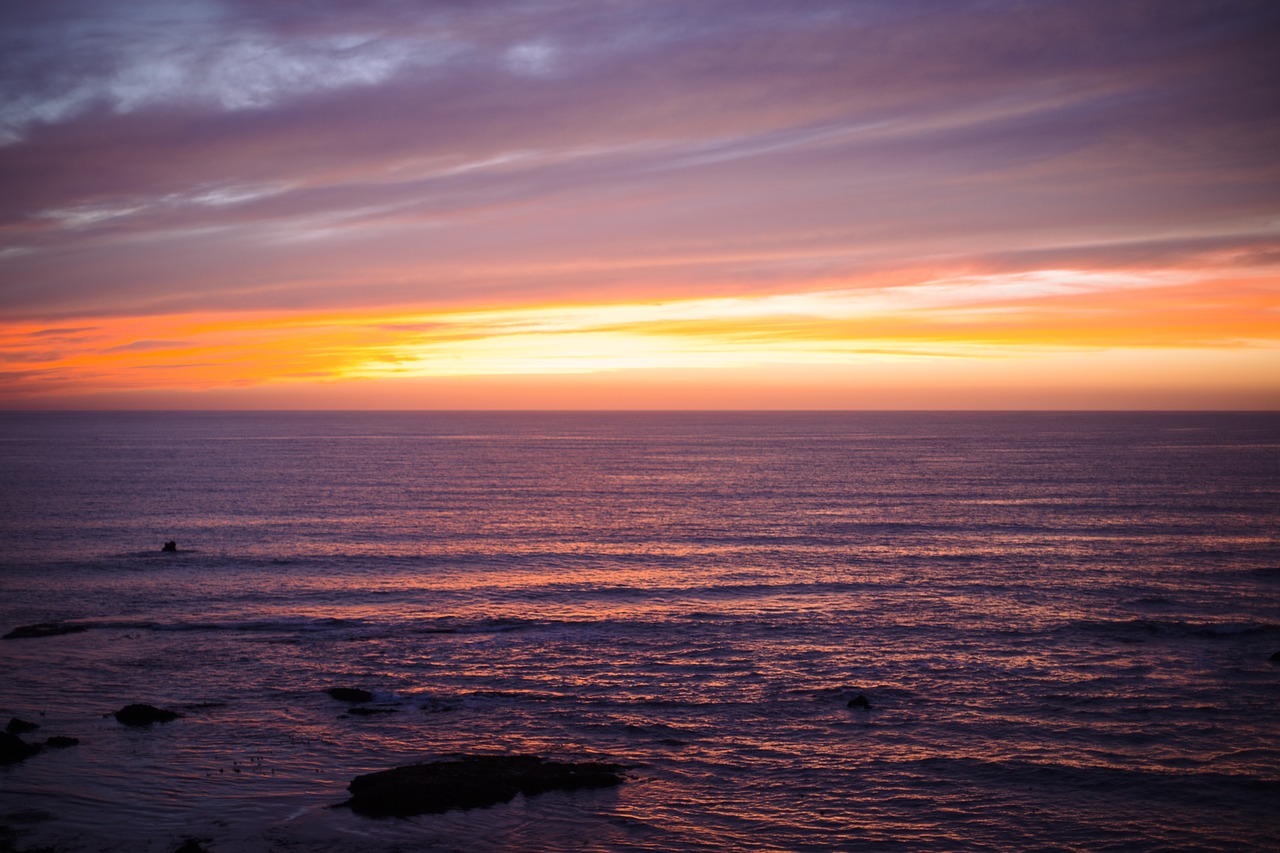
1062, 621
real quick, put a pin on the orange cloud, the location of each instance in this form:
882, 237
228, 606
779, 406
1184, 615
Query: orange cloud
1068, 329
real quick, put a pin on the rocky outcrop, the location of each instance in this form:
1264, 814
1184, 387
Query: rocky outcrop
18, 727
860, 702
470, 782
43, 629
144, 715
350, 694
170, 547
14, 749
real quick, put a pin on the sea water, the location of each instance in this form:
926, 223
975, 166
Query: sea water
1062, 623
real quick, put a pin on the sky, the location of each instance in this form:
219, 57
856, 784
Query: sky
640, 204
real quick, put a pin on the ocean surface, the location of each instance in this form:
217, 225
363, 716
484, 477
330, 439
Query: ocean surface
1062, 622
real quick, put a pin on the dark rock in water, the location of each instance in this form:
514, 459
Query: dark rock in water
14, 749
435, 706
1275, 658
369, 712
43, 629
17, 727
144, 715
60, 742
170, 546
861, 702
350, 694
192, 845
471, 782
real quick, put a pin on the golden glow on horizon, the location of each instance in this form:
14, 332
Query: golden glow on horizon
824, 327
1005, 330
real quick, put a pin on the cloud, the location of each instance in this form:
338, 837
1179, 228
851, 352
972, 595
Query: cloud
64, 331
130, 57
217, 155
147, 345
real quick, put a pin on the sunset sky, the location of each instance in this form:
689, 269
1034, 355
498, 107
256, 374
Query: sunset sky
640, 204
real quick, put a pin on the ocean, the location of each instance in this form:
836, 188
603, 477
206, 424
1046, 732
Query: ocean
1063, 624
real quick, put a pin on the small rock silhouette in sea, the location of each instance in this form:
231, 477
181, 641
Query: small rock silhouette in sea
17, 726
350, 694
170, 546
861, 702
144, 715
43, 629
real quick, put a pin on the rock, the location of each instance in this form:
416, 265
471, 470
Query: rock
170, 547
350, 694
192, 845
60, 742
14, 749
1275, 658
144, 715
17, 727
43, 629
469, 782
435, 706
861, 702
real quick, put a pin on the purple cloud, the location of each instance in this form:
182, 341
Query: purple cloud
201, 155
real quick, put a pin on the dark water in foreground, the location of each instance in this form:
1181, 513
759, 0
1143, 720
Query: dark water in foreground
1063, 624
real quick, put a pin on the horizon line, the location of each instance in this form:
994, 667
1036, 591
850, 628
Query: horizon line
635, 411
